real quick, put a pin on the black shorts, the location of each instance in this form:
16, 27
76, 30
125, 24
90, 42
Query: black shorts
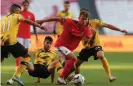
88, 52
16, 50
40, 71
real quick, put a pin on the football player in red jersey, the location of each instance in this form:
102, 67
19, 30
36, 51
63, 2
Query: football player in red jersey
74, 31
24, 34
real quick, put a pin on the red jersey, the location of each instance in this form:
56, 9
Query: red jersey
24, 28
72, 34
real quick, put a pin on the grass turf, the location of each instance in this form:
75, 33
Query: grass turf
121, 65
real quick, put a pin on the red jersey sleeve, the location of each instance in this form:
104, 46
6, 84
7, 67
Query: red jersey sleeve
87, 32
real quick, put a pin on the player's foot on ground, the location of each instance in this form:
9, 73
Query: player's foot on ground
37, 81
69, 78
18, 80
112, 78
9, 82
61, 81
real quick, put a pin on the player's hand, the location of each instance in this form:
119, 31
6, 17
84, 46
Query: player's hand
43, 28
124, 31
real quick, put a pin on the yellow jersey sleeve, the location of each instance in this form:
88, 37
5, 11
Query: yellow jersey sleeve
20, 17
99, 23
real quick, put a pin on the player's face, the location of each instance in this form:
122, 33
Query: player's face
25, 6
83, 20
17, 10
47, 44
66, 6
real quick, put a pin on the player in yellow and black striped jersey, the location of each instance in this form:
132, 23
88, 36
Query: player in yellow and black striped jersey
45, 63
9, 28
92, 47
64, 13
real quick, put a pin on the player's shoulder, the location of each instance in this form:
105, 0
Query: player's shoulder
17, 14
96, 20
30, 12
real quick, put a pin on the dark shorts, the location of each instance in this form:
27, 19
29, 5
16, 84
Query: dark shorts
40, 71
86, 53
16, 50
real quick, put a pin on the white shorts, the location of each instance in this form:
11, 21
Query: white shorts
62, 52
26, 42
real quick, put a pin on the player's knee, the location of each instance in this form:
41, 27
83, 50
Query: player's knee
100, 55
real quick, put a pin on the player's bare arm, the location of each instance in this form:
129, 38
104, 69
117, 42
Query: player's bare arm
115, 28
52, 75
34, 23
35, 32
50, 19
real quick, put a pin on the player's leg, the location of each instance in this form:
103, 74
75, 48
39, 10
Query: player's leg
19, 50
70, 59
70, 65
100, 55
18, 59
84, 54
4, 52
55, 64
78, 63
38, 80
30, 67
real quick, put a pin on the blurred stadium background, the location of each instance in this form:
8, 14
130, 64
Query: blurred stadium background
118, 47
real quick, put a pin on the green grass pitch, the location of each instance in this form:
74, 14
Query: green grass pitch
121, 65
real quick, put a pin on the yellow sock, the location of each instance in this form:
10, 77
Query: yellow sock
59, 68
106, 66
60, 71
22, 67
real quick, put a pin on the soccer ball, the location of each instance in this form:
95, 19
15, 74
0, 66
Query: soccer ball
78, 79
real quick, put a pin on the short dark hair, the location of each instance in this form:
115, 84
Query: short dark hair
25, 1
84, 12
48, 38
84, 9
66, 2
15, 6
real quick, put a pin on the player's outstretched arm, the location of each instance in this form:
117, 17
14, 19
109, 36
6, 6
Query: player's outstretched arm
35, 24
115, 28
49, 20
35, 32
